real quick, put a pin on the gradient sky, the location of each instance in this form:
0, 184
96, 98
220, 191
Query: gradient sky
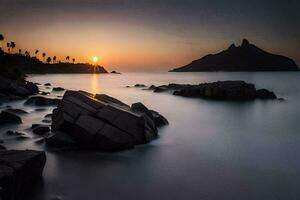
138, 35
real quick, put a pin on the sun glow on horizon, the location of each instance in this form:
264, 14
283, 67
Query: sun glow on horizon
95, 59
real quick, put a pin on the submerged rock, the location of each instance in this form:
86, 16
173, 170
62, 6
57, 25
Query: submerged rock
40, 129
47, 84
19, 170
103, 122
8, 118
115, 72
42, 101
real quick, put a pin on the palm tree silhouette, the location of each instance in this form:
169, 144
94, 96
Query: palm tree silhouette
44, 55
54, 59
12, 45
20, 51
1, 40
73, 60
36, 52
48, 60
27, 54
68, 58
8, 47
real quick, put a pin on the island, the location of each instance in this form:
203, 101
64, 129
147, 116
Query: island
32, 65
246, 57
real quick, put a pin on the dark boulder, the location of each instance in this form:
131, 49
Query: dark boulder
265, 94
41, 129
61, 139
42, 101
220, 90
57, 89
16, 111
115, 72
102, 123
8, 118
140, 85
47, 84
19, 170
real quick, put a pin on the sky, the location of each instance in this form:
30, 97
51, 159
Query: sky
149, 35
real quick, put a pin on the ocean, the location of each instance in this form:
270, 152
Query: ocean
211, 150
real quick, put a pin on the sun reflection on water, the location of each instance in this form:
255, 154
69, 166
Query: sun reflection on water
94, 84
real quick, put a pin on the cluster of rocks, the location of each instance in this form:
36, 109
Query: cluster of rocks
16, 89
101, 122
19, 170
220, 90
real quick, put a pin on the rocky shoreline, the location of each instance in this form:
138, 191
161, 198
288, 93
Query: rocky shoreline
80, 120
220, 90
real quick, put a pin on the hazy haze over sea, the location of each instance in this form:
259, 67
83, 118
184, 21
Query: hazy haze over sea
211, 149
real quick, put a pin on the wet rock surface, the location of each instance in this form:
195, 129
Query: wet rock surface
9, 118
19, 170
102, 122
42, 101
16, 89
221, 90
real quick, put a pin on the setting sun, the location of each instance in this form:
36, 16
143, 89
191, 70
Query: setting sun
95, 59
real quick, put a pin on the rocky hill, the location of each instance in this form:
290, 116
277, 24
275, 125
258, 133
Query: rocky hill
246, 57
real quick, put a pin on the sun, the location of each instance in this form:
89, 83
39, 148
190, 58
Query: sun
95, 59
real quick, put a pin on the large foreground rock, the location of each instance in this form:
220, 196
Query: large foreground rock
220, 90
18, 172
103, 122
9, 118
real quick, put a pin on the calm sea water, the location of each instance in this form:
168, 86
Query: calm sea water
211, 150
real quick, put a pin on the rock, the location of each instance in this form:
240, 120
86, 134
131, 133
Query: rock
16, 111
102, 123
18, 88
42, 101
140, 85
10, 132
40, 129
7, 118
22, 137
160, 89
45, 93
127, 86
265, 94
40, 109
158, 119
1, 148
107, 99
48, 115
61, 139
47, 120
281, 99
57, 89
115, 72
220, 90
47, 84
19, 170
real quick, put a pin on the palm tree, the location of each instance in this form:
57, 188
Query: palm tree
48, 60
54, 59
8, 46
1, 40
20, 51
68, 58
27, 54
36, 52
73, 60
12, 45
44, 55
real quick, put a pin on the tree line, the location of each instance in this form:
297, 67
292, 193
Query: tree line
10, 46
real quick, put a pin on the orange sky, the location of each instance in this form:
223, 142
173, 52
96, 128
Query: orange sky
145, 36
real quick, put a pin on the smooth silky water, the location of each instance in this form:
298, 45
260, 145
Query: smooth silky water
210, 150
